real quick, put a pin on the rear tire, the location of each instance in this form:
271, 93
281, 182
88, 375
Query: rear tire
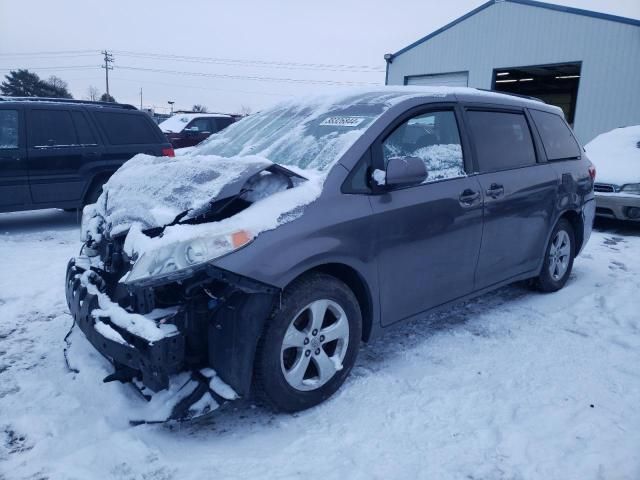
309, 345
558, 258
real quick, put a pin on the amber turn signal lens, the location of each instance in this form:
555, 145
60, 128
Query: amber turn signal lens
240, 238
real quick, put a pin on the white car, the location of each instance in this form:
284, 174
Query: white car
616, 155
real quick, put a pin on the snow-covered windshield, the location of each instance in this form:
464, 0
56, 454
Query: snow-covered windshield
309, 134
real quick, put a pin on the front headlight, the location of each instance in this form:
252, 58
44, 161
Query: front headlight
633, 188
180, 259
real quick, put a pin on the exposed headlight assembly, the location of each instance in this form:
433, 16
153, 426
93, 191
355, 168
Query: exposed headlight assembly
91, 225
180, 259
633, 188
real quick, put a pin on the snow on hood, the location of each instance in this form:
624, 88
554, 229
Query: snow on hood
152, 191
616, 155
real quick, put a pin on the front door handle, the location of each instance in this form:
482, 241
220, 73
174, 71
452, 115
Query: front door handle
468, 197
495, 190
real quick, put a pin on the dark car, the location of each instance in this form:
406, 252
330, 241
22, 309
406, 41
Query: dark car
58, 153
189, 129
315, 225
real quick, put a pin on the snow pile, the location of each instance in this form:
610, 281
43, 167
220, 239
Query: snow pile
151, 191
616, 155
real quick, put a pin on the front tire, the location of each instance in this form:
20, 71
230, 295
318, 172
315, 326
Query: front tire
558, 259
309, 345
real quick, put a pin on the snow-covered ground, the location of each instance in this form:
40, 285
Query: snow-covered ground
513, 385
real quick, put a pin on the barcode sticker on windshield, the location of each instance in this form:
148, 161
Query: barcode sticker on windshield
343, 121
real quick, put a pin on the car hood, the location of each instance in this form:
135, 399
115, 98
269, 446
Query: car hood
156, 191
616, 155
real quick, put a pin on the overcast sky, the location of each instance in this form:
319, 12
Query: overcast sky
302, 41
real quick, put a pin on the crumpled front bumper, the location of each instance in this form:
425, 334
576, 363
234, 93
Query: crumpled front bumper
152, 362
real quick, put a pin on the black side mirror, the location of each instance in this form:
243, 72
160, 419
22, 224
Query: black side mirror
405, 171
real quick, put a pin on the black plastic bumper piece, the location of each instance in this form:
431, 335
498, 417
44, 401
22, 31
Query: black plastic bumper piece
154, 361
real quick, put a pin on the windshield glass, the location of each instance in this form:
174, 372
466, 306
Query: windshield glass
313, 134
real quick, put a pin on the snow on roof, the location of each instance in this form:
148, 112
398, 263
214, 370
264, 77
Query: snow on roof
616, 155
177, 122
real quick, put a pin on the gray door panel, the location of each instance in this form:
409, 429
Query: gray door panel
427, 246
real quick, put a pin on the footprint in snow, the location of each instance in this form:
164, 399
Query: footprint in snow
618, 266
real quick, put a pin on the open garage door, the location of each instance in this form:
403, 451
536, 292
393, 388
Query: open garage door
456, 79
555, 84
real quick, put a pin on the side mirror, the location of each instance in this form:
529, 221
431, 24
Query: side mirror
405, 171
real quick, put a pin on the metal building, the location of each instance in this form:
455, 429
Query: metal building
585, 62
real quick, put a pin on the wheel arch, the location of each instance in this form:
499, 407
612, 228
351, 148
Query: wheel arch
358, 285
576, 221
96, 181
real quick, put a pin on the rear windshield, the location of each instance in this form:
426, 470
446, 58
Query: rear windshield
127, 128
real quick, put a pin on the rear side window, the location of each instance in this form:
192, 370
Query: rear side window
126, 128
502, 140
199, 125
85, 135
8, 129
48, 128
557, 139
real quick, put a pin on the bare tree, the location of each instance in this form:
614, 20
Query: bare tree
245, 110
57, 82
93, 93
198, 108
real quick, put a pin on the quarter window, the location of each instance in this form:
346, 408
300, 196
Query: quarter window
557, 139
127, 128
432, 137
8, 129
502, 140
48, 128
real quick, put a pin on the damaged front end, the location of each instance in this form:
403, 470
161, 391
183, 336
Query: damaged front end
204, 321
210, 322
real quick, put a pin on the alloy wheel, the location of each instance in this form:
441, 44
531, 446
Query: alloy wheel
559, 255
314, 345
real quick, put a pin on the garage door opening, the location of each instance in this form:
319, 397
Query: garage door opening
555, 84
453, 79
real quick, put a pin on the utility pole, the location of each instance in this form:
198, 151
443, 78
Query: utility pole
140, 98
108, 58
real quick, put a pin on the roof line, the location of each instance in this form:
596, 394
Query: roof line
531, 3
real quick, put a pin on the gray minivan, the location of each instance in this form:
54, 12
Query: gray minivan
281, 243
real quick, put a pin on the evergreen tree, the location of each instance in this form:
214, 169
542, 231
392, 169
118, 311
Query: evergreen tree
107, 98
23, 83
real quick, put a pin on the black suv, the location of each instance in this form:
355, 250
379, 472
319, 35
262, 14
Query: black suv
268, 254
58, 153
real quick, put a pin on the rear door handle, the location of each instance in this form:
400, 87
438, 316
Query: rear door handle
495, 190
468, 197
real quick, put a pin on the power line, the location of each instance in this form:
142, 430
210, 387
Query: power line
49, 53
254, 63
69, 67
246, 77
210, 60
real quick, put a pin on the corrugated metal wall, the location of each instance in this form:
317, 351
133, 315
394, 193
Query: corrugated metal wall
512, 35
